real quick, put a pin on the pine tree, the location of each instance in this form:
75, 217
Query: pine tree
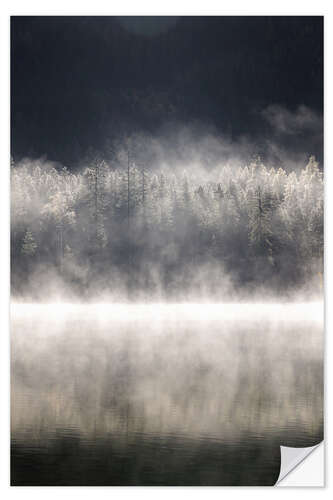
96, 199
260, 223
29, 245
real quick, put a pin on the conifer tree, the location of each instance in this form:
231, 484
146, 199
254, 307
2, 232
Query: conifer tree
29, 245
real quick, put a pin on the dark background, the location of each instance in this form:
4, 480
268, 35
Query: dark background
83, 82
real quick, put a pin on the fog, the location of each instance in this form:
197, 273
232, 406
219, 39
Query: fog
163, 394
166, 248
166, 315
160, 220
167, 358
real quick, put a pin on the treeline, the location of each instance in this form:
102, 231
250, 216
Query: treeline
131, 232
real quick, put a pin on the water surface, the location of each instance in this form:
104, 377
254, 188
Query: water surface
177, 394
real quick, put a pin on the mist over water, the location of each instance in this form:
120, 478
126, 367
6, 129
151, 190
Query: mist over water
166, 326
123, 230
167, 245
163, 394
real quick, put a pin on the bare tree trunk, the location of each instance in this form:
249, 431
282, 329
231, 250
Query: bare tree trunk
143, 196
260, 212
128, 191
96, 202
61, 246
128, 225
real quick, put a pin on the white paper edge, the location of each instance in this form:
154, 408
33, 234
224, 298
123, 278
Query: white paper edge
302, 466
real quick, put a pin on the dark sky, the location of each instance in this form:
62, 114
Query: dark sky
82, 82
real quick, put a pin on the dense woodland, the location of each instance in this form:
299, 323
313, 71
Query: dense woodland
134, 233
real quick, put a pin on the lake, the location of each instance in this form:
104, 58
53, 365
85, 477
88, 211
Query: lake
162, 394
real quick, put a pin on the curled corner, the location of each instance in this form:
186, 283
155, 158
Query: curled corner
291, 458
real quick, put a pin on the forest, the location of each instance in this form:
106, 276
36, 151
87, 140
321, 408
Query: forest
131, 233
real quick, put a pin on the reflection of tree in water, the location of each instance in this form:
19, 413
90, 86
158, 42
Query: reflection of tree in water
155, 403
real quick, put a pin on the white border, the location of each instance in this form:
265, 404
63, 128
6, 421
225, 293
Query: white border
308, 472
172, 7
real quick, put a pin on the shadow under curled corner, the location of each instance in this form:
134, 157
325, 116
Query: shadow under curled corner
292, 458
